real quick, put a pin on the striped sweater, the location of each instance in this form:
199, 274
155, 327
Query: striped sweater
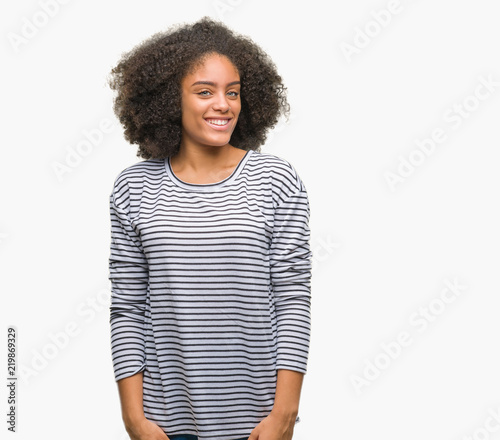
211, 287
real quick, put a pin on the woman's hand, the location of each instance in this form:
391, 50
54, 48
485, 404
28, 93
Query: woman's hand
279, 424
144, 429
276, 426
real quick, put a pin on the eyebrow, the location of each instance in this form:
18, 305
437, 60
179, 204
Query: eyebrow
210, 83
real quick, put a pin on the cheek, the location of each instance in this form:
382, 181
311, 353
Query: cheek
191, 113
198, 109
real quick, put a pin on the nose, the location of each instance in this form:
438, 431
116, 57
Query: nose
221, 103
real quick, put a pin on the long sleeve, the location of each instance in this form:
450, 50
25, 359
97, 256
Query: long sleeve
128, 273
290, 261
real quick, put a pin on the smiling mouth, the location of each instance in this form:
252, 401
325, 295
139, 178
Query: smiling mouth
218, 122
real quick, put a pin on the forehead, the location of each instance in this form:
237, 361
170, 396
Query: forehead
213, 67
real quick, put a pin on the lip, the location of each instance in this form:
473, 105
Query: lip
219, 127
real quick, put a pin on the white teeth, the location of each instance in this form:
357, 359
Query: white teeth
218, 121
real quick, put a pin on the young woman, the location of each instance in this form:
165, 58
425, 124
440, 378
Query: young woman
210, 263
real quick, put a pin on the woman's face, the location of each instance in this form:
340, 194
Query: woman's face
210, 102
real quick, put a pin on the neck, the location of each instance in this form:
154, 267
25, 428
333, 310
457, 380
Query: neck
203, 160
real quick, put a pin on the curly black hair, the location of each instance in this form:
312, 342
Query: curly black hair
148, 84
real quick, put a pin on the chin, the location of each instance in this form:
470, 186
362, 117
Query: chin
220, 142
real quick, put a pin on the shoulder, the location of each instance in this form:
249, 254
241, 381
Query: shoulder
140, 171
135, 176
282, 173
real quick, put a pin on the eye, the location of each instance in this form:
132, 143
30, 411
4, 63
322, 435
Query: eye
234, 94
204, 93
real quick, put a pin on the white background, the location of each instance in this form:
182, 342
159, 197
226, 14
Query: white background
382, 254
